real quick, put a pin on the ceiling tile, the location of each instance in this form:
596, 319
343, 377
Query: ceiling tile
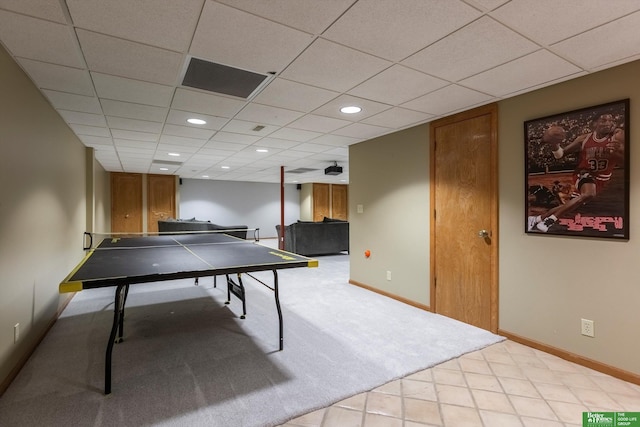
73, 102
121, 89
397, 118
369, 108
247, 128
396, 85
294, 96
163, 23
362, 130
477, 47
245, 41
187, 131
294, 134
80, 118
191, 100
90, 130
446, 100
413, 25
270, 115
317, 123
19, 34
58, 77
110, 55
336, 140
282, 144
333, 66
547, 21
534, 69
235, 138
45, 9
134, 135
182, 141
178, 117
133, 111
312, 16
96, 141
133, 124
605, 44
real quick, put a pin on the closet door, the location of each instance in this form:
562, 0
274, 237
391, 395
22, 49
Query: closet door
339, 201
161, 199
126, 202
321, 201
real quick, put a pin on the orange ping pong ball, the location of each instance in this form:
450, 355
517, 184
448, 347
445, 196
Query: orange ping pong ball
367, 253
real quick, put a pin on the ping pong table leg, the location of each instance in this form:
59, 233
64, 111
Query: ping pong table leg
277, 297
238, 290
118, 322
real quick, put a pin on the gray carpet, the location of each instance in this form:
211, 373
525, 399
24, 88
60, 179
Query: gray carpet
189, 360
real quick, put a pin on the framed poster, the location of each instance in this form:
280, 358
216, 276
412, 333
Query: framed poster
577, 172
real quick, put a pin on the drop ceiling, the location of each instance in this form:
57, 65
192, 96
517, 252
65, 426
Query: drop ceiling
114, 71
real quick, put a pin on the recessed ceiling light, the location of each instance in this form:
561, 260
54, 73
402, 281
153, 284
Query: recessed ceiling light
174, 154
197, 121
352, 109
225, 167
205, 176
262, 150
164, 169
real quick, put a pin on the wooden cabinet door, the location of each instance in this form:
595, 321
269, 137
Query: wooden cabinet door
161, 199
321, 201
126, 202
339, 201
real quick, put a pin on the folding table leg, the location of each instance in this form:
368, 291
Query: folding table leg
277, 298
116, 329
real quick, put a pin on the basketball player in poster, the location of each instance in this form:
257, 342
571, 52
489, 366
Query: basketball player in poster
600, 151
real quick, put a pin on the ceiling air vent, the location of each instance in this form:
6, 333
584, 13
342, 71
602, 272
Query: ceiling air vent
301, 170
222, 79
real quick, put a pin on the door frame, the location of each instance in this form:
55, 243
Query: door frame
492, 110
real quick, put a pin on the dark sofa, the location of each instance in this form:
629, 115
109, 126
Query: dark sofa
182, 225
316, 238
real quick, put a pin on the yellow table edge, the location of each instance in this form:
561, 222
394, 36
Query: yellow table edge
73, 286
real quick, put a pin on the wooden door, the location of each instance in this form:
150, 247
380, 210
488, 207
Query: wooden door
464, 221
161, 199
126, 202
321, 201
340, 201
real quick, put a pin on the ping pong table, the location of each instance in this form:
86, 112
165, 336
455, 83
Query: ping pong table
121, 262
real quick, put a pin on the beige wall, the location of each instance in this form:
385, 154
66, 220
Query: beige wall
42, 211
547, 284
394, 223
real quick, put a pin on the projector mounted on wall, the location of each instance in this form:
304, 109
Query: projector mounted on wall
333, 170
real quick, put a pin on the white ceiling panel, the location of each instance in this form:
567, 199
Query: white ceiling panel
111, 55
446, 100
330, 65
537, 68
603, 45
475, 48
200, 102
114, 71
58, 77
164, 23
245, 41
136, 91
413, 24
133, 111
73, 102
549, 21
312, 16
19, 35
294, 96
397, 84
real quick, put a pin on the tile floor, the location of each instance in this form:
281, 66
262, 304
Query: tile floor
506, 384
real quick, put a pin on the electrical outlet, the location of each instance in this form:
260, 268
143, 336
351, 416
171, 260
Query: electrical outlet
388, 275
16, 332
587, 328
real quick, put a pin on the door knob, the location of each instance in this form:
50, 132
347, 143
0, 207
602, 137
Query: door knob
483, 234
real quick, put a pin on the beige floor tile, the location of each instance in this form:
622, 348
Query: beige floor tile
537, 422
312, 419
419, 390
530, 407
422, 411
556, 392
384, 404
356, 402
596, 398
568, 412
496, 419
342, 417
475, 366
630, 403
507, 371
541, 375
576, 379
482, 382
425, 375
449, 377
460, 417
376, 420
519, 387
492, 401
393, 387
454, 395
